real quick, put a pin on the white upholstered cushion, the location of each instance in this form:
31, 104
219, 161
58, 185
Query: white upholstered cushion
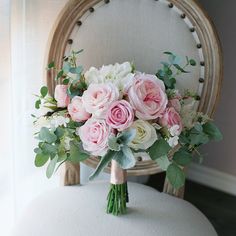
80, 211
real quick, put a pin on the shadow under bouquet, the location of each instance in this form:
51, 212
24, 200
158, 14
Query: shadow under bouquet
116, 113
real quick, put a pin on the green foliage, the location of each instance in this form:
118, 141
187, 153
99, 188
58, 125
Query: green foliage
37, 104
125, 157
41, 159
163, 162
113, 144
102, 164
76, 155
182, 157
51, 167
175, 175
172, 68
44, 91
46, 135
212, 131
51, 65
126, 136
159, 149
59, 74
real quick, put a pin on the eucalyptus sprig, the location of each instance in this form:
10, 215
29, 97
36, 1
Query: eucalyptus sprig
172, 68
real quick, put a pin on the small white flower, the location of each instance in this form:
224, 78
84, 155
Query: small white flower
59, 121
156, 126
173, 141
174, 130
67, 143
42, 122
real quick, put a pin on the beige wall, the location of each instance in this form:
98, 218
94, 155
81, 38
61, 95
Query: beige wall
221, 156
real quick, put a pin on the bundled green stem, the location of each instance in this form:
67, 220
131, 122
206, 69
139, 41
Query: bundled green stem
117, 198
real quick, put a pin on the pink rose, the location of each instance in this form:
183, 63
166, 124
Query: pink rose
77, 111
98, 98
147, 96
120, 115
170, 118
61, 96
94, 135
175, 103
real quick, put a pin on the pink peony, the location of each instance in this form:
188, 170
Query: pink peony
170, 118
147, 96
77, 111
98, 98
175, 103
120, 115
61, 96
94, 135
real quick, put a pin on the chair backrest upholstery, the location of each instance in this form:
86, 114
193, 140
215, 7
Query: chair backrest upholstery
140, 31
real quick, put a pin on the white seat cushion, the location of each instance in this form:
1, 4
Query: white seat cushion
80, 211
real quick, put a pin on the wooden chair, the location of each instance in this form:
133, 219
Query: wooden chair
138, 31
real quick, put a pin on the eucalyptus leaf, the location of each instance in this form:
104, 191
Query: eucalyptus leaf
76, 70
163, 162
212, 131
192, 62
59, 74
182, 157
37, 104
178, 67
51, 167
175, 176
66, 67
102, 164
49, 149
76, 155
41, 159
51, 65
158, 149
44, 91
46, 135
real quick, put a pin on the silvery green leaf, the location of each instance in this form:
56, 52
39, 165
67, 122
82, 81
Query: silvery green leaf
51, 167
102, 164
46, 135
126, 136
125, 158
112, 144
163, 162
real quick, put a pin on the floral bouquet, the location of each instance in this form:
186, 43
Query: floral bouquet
118, 114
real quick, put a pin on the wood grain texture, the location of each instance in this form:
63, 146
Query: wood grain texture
71, 175
211, 47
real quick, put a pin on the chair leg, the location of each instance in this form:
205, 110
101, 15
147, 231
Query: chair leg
71, 175
172, 191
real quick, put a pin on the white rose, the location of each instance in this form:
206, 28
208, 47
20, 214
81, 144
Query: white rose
145, 135
119, 74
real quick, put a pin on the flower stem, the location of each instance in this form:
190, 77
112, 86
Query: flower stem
117, 198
